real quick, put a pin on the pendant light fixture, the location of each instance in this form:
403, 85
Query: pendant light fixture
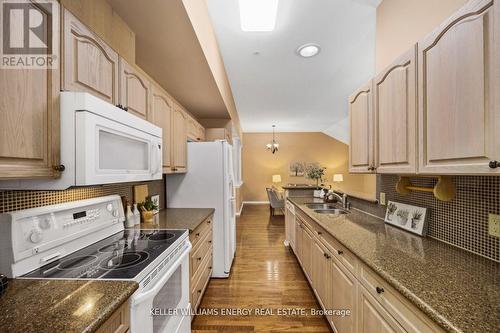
273, 146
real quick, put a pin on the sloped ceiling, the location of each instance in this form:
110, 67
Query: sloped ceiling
273, 85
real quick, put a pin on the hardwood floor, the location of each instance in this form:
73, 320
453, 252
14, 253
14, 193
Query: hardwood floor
265, 275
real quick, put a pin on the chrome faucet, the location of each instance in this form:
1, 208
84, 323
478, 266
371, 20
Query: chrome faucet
343, 199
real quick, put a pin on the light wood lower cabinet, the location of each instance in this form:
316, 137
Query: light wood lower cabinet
119, 322
372, 317
290, 224
200, 261
342, 282
29, 120
89, 64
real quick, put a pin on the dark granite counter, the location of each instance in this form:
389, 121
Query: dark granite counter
60, 305
459, 290
179, 218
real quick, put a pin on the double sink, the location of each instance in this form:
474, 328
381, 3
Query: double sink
325, 208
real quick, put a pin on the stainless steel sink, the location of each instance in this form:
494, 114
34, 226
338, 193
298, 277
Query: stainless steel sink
331, 211
321, 206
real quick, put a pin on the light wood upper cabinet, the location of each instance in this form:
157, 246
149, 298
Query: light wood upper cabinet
179, 131
459, 82
361, 133
161, 115
195, 132
29, 121
395, 116
135, 90
89, 64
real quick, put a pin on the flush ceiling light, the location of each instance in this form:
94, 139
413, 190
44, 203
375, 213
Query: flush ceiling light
308, 50
258, 15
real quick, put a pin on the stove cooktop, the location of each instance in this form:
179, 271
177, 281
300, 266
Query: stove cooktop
121, 256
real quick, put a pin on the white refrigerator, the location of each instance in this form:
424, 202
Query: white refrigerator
209, 184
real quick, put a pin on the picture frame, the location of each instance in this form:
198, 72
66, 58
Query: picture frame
407, 217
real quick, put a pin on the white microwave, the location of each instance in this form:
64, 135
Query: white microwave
100, 144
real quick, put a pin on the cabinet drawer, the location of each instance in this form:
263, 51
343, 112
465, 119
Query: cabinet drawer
407, 315
197, 235
345, 256
200, 254
198, 288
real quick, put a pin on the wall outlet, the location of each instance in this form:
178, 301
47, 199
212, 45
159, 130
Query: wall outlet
382, 199
494, 225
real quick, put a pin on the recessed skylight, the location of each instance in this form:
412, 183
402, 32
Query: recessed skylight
308, 50
258, 15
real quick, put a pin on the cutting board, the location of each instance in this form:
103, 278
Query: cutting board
141, 192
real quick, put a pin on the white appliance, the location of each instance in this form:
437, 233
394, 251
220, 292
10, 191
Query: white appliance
100, 144
86, 240
209, 184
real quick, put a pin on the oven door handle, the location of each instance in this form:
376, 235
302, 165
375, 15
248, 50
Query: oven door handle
159, 284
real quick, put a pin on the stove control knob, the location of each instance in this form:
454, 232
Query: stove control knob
45, 223
109, 207
35, 236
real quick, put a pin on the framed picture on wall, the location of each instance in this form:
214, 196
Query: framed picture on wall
297, 169
407, 217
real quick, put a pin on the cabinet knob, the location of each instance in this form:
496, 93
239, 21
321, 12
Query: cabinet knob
340, 252
197, 234
199, 258
199, 291
379, 290
320, 233
494, 164
59, 167
328, 256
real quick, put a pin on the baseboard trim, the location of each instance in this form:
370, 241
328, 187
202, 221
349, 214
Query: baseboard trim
238, 213
255, 203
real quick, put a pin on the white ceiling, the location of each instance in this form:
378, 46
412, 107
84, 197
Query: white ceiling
276, 86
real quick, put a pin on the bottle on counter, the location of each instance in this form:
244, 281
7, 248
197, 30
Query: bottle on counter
137, 215
129, 218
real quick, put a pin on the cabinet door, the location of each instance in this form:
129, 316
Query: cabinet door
343, 296
459, 81
395, 116
89, 64
201, 132
307, 248
372, 318
179, 140
321, 276
193, 130
29, 119
298, 239
161, 115
361, 131
135, 90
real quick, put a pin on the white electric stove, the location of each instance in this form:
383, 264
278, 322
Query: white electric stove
86, 240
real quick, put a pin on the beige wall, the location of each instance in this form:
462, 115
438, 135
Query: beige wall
259, 164
402, 23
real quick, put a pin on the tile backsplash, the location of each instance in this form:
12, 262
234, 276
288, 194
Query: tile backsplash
18, 200
462, 222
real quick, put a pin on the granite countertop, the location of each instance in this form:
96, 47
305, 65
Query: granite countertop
300, 187
459, 290
31, 305
179, 218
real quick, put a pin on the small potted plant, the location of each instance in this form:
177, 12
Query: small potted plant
415, 218
403, 216
147, 209
391, 209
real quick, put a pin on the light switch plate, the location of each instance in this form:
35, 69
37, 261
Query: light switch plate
494, 225
382, 198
